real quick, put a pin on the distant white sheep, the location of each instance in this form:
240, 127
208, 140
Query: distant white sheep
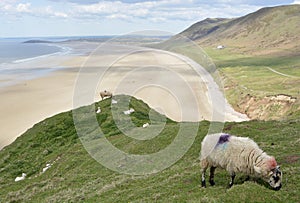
238, 154
114, 101
145, 125
46, 168
98, 110
20, 178
128, 112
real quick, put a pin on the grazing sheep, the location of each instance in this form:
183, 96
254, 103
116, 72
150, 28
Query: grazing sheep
46, 168
238, 154
114, 101
98, 110
105, 94
128, 112
145, 125
20, 178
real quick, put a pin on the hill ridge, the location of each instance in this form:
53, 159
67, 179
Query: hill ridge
267, 28
74, 176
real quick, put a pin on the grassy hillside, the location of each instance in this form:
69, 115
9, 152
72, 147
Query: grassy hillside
203, 28
263, 87
256, 85
259, 67
273, 30
76, 177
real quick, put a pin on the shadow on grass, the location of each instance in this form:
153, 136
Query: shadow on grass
240, 180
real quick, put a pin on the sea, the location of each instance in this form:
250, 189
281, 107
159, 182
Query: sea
17, 56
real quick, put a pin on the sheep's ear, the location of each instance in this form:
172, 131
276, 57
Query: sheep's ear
257, 169
278, 169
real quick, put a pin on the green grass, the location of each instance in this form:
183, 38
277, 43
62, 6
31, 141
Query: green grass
244, 76
259, 77
261, 81
266, 31
76, 177
231, 58
260, 59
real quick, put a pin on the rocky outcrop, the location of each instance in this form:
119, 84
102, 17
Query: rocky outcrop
267, 108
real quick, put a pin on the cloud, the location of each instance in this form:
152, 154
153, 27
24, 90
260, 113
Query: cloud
6, 7
78, 1
60, 14
158, 11
118, 16
23, 7
50, 12
18, 11
9, 7
195, 2
7, 1
114, 10
130, 10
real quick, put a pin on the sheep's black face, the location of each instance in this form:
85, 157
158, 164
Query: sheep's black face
275, 178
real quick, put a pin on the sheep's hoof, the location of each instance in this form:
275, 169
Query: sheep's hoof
203, 184
230, 185
212, 183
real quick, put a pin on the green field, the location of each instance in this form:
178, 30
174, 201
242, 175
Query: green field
258, 77
76, 177
255, 73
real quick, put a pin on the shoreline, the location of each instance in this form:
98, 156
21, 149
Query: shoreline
25, 69
37, 89
64, 50
31, 101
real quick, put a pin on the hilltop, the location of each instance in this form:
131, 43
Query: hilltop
258, 62
273, 30
74, 176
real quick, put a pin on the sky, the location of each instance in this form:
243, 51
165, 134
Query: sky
38, 18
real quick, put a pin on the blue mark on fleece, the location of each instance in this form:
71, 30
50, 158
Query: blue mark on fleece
224, 138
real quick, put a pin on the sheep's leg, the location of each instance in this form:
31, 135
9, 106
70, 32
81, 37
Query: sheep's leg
231, 180
247, 178
204, 166
203, 183
212, 175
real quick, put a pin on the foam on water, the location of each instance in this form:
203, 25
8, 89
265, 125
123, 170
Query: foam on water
18, 60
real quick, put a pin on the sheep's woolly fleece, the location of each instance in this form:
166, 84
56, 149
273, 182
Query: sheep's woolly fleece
210, 144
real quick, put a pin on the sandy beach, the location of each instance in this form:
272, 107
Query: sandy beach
165, 81
24, 104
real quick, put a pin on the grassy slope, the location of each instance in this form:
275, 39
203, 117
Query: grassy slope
259, 77
267, 31
245, 77
203, 28
261, 59
76, 177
